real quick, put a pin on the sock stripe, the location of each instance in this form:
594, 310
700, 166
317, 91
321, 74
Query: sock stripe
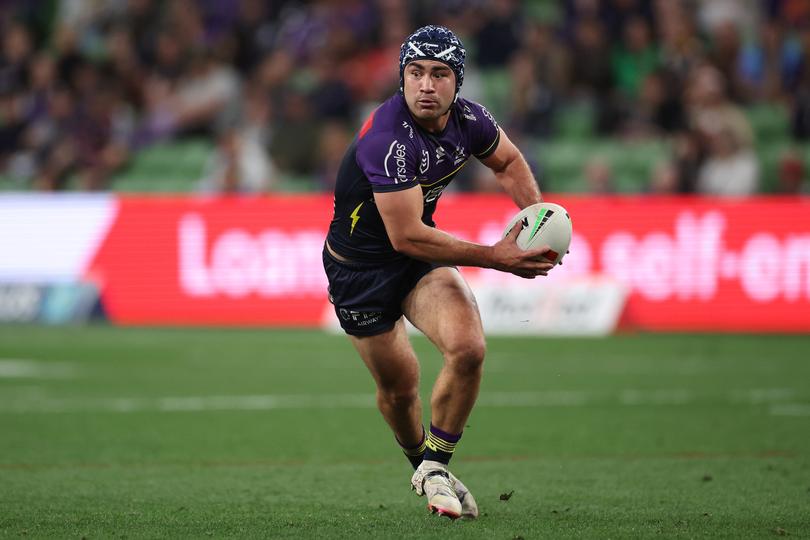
435, 443
416, 450
449, 437
440, 445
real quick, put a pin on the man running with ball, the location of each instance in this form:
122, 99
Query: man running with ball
385, 258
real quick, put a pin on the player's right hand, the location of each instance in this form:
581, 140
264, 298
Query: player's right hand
509, 257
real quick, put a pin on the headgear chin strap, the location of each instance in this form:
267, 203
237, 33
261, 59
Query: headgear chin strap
433, 43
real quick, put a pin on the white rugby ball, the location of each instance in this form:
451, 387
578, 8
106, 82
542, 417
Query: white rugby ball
544, 224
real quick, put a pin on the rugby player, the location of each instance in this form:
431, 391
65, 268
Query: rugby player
385, 258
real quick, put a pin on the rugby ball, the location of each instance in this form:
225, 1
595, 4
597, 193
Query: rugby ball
544, 224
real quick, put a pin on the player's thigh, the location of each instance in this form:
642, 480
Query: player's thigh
443, 307
390, 358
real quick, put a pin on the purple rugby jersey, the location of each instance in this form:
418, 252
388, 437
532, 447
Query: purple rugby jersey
390, 153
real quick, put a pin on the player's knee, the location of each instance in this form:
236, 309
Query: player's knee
467, 357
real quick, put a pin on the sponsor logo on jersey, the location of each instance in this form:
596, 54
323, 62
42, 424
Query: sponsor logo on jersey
396, 158
440, 153
468, 114
488, 116
407, 126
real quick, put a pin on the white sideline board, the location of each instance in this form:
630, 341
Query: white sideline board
587, 306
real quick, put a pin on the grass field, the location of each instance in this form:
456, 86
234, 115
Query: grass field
181, 433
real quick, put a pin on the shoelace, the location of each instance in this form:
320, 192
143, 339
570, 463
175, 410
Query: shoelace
441, 473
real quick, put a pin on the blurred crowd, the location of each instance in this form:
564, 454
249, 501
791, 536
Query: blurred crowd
281, 86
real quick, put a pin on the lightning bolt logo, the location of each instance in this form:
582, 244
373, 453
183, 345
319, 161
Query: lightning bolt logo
355, 217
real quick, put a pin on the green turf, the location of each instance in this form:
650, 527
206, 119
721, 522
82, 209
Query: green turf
627, 437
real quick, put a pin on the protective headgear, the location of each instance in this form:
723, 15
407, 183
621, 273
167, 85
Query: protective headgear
433, 43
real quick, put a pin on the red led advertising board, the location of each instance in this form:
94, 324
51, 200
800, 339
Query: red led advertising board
696, 264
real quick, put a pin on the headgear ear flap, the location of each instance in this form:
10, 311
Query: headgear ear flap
433, 43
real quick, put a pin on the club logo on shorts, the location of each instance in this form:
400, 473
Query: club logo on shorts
362, 318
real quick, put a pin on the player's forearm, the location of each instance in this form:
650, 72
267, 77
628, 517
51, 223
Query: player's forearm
433, 245
518, 181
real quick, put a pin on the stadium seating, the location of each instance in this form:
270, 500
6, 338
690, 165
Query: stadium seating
176, 166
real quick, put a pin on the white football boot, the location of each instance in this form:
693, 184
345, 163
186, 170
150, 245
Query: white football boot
469, 508
432, 479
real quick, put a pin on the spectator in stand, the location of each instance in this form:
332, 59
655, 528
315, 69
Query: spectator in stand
740, 14
334, 139
192, 94
792, 179
658, 110
680, 47
532, 103
634, 59
539, 77
16, 55
591, 73
22, 113
618, 14
725, 54
372, 74
86, 133
500, 33
598, 174
331, 96
731, 167
124, 65
688, 156
253, 34
15, 63
664, 180
799, 87
241, 163
273, 76
297, 132
766, 63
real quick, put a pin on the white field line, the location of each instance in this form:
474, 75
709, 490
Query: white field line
783, 401
790, 409
17, 368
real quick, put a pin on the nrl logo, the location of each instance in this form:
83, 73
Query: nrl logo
425, 163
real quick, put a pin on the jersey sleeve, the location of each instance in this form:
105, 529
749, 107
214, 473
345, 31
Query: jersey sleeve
484, 131
388, 160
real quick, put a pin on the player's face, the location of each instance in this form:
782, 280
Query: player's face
429, 88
